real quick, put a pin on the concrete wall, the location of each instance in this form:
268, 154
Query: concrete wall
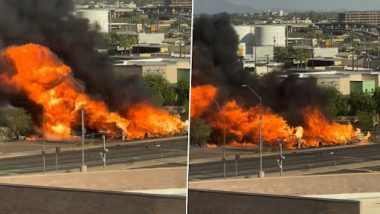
302, 185
37, 200
217, 202
121, 180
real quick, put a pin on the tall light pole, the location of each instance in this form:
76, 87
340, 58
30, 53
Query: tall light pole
44, 140
83, 167
261, 172
224, 140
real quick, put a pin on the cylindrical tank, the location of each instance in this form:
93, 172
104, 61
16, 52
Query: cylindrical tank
245, 33
97, 17
270, 35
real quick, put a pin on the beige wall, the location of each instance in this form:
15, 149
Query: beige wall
216, 202
183, 64
93, 192
342, 84
302, 185
168, 71
18, 199
121, 180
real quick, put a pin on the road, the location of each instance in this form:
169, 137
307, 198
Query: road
297, 160
158, 149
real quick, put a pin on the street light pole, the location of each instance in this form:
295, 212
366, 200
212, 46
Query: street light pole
44, 140
83, 167
261, 172
224, 140
103, 155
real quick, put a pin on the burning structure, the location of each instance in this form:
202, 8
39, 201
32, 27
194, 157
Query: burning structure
292, 108
49, 60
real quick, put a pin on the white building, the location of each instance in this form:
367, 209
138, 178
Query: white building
325, 52
151, 38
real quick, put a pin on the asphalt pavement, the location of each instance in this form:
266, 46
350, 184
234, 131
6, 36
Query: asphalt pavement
123, 153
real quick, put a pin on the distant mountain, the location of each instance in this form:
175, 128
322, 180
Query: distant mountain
217, 6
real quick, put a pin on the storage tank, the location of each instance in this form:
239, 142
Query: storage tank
246, 36
270, 35
96, 17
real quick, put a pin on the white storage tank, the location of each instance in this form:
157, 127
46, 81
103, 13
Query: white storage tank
97, 17
270, 35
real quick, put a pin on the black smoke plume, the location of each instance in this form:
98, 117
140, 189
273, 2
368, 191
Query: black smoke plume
215, 61
52, 23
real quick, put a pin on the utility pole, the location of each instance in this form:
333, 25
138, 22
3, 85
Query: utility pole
261, 172
57, 150
103, 155
224, 140
83, 167
281, 158
44, 140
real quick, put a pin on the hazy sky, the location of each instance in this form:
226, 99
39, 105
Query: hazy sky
312, 4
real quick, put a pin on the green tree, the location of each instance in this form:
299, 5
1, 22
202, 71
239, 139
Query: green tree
376, 99
200, 131
361, 102
302, 55
125, 41
186, 107
183, 89
343, 106
330, 109
158, 83
157, 98
337, 103
365, 121
18, 121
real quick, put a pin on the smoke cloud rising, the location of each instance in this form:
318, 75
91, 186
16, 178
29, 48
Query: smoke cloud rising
215, 61
51, 23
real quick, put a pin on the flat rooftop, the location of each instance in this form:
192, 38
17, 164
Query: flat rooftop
297, 186
161, 181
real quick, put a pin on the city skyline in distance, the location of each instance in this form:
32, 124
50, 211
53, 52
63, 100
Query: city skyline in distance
243, 6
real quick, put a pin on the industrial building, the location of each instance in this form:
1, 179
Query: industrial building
172, 3
346, 82
302, 42
362, 17
151, 38
129, 28
171, 69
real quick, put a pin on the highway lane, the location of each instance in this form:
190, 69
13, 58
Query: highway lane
158, 149
298, 160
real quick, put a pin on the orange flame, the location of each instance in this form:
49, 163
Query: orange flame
147, 121
48, 82
242, 125
201, 98
320, 131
